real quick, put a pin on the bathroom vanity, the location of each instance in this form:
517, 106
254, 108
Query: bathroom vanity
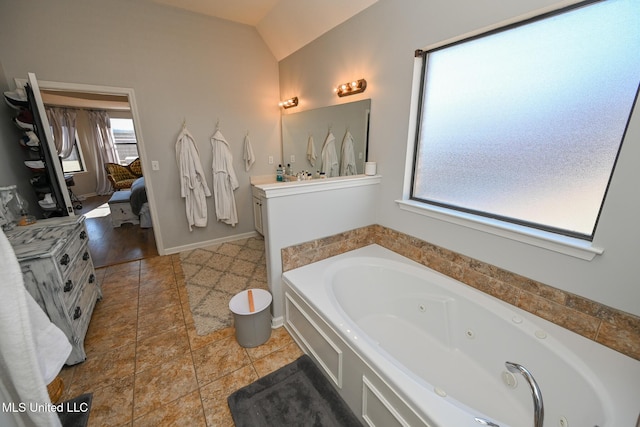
290, 212
294, 212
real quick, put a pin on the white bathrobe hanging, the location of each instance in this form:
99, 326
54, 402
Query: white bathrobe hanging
329, 155
311, 151
224, 180
193, 185
348, 156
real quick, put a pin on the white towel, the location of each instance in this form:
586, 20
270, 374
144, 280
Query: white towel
32, 349
311, 151
249, 157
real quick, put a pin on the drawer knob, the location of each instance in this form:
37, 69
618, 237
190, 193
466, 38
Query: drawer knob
83, 235
68, 286
85, 256
77, 313
92, 278
64, 260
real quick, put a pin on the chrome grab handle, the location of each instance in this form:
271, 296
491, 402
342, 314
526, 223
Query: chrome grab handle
538, 406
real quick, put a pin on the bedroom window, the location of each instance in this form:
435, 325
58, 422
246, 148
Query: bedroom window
74, 163
524, 124
124, 137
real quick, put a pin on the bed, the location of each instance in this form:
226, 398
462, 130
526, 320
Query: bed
138, 195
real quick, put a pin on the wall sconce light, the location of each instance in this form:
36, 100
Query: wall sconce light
356, 86
291, 102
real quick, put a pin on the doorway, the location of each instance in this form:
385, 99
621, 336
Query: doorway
108, 245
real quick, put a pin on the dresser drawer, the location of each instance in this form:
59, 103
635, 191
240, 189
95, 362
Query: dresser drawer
80, 275
65, 256
81, 314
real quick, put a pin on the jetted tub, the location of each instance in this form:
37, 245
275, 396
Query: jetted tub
406, 345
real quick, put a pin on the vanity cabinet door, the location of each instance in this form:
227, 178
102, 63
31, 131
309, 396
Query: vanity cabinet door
257, 214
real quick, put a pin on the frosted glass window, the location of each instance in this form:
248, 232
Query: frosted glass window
525, 123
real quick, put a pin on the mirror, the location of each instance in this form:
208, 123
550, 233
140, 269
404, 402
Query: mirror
299, 128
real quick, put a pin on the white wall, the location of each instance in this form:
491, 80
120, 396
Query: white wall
180, 65
379, 44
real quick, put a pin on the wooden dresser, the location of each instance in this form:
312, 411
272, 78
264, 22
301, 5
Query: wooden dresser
59, 274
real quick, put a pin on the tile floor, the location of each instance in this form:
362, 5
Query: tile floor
146, 366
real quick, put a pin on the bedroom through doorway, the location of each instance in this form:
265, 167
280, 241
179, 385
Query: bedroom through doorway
108, 244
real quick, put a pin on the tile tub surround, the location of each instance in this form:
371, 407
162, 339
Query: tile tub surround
612, 328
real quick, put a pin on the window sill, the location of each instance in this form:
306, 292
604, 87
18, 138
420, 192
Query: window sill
562, 244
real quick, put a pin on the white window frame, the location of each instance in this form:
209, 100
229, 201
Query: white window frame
83, 165
571, 246
117, 117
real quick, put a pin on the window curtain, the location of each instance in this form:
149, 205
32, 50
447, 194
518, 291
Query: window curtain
104, 147
63, 127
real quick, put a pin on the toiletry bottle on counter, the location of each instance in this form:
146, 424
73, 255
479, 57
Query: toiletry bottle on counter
279, 174
289, 171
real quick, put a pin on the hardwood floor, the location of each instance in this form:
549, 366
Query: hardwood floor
109, 245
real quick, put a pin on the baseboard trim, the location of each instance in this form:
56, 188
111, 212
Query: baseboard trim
277, 322
204, 244
87, 195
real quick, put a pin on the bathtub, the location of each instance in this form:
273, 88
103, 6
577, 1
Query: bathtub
405, 345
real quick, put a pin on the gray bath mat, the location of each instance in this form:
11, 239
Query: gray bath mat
294, 395
75, 412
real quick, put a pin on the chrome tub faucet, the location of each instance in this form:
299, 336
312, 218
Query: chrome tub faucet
538, 406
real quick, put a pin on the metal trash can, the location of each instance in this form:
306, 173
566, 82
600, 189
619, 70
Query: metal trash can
252, 328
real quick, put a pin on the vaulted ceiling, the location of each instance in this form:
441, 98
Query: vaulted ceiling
284, 25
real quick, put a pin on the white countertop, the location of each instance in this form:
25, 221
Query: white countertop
267, 186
